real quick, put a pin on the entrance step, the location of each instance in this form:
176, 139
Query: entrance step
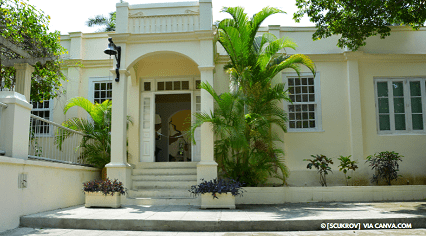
163, 183
163, 201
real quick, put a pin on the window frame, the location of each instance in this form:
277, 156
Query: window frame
317, 103
50, 109
92, 81
407, 105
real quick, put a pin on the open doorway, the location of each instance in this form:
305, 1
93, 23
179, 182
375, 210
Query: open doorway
172, 123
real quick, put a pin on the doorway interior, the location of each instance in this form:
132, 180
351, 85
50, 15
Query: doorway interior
172, 125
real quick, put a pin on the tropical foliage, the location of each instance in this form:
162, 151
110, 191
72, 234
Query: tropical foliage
386, 166
107, 22
243, 118
355, 21
321, 163
96, 142
27, 28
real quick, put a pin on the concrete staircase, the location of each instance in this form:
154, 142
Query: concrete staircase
163, 183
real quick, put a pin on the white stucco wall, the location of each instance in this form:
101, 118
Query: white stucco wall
49, 186
400, 54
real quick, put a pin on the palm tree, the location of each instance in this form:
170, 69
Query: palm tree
243, 117
96, 142
100, 20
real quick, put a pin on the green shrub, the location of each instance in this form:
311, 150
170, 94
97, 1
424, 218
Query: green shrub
386, 166
320, 162
347, 164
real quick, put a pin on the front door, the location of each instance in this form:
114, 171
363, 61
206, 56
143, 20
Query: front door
166, 118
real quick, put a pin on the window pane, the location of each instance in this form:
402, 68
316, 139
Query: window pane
292, 124
417, 122
147, 86
198, 99
160, 86
169, 85
383, 105
415, 88
416, 105
185, 85
398, 89
176, 85
384, 122
197, 84
398, 104
103, 86
399, 122
312, 124
382, 89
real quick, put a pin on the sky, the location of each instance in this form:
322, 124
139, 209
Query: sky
71, 16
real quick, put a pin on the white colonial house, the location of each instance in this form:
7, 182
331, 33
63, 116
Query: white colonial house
359, 103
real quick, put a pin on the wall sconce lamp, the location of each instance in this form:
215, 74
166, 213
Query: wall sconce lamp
112, 49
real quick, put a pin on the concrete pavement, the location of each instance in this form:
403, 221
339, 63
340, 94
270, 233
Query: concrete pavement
246, 218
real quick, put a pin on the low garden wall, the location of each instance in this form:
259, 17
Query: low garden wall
279, 195
34, 186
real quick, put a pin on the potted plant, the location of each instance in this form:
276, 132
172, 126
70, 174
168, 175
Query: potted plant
217, 193
103, 193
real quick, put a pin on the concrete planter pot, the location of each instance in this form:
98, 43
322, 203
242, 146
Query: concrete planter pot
224, 200
98, 199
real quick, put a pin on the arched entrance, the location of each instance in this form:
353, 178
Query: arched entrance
169, 95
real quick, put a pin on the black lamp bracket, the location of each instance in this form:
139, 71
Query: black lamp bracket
116, 51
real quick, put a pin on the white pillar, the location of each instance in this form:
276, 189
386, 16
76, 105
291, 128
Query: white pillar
15, 124
206, 15
122, 22
118, 167
207, 167
23, 79
354, 103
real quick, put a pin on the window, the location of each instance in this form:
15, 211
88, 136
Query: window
100, 89
400, 105
172, 85
304, 113
44, 110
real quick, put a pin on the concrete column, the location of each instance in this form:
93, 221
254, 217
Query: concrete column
15, 124
23, 79
122, 22
207, 167
76, 48
118, 167
206, 15
354, 104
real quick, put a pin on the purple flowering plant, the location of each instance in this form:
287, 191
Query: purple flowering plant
105, 186
217, 186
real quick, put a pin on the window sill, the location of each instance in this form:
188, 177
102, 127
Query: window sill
305, 131
399, 134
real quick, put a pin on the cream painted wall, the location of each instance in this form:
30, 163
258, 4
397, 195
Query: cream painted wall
412, 147
151, 56
49, 186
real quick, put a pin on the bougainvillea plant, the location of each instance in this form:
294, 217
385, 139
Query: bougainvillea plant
217, 186
107, 187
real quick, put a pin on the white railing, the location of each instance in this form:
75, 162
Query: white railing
44, 139
164, 24
2, 106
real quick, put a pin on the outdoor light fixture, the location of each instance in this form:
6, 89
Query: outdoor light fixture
112, 49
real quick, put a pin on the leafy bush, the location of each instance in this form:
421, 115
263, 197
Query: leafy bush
217, 186
386, 166
105, 186
320, 162
347, 164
